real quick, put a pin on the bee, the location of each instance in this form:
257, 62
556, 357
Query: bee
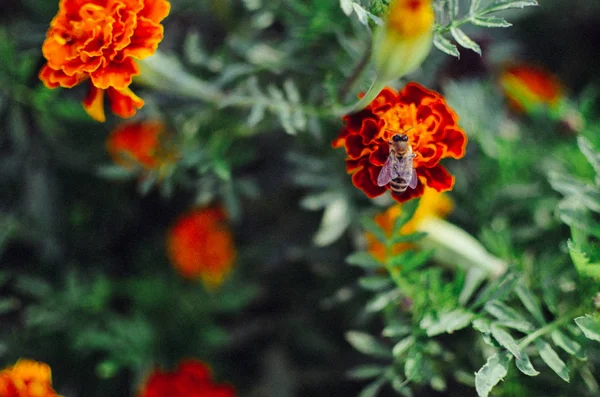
398, 169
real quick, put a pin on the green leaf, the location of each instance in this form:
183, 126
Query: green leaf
508, 316
590, 154
447, 322
569, 186
364, 260
552, 359
464, 40
482, 325
474, 6
531, 303
394, 331
367, 344
498, 290
116, 173
445, 45
494, 370
524, 365
408, 211
409, 238
568, 345
500, 5
506, 340
370, 226
402, 347
8, 305
374, 283
453, 8
410, 260
372, 389
413, 365
590, 327
491, 22
365, 372
582, 262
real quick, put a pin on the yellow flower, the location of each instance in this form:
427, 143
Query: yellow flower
404, 40
452, 245
27, 378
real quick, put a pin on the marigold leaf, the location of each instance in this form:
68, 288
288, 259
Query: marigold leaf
374, 283
592, 156
491, 22
500, 5
372, 389
365, 372
589, 326
494, 370
506, 340
568, 345
445, 45
367, 344
552, 359
413, 365
531, 303
464, 40
402, 347
524, 365
364, 260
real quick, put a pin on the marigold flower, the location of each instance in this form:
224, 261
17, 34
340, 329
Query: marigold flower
432, 130
98, 41
200, 245
27, 378
192, 378
529, 88
139, 144
432, 204
405, 39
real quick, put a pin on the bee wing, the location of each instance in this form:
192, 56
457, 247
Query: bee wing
413, 180
386, 174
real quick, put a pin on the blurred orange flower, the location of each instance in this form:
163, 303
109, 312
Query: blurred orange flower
98, 41
432, 131
139, 144
192, 378
529, 87
27, 378
200, 245
432, 204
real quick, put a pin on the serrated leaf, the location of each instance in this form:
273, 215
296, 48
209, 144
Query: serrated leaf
410, 260
445, 45
500, 5
589, 326
482, 325
464, 40
506, 340
552, 359
364, 260
474, 6
448, 322
490, 22
531, 303
365, 372
498, 290
453, 8
524, 365
402, 347
508, 316
367, 344
582, 262
494, 370
567, 344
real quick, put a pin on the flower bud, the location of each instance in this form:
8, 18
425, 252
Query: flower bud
404, 40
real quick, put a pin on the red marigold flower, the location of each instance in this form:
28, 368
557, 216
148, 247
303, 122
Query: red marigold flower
98, 40
27, 378
139, 144
529, 87
200, 245
432, 131
191, 379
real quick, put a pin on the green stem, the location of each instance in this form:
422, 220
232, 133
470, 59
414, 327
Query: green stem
371, 94
550, 327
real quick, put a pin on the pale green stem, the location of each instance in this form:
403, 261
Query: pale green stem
362, 103
550, 327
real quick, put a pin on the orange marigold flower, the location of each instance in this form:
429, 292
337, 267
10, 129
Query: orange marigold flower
139, 144
192, 378
432, 130
200, 245
98, 40
528, 88
432, 204
27, 378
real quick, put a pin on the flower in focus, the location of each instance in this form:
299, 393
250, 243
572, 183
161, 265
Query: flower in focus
27, 378
529, 88
192, 378
200, 245
139, 144
432, 130
432, 204
98, 41
404, 40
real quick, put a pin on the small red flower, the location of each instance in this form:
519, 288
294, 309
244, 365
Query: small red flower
200, 245
432, 130
192, 378
528, 87
99, 40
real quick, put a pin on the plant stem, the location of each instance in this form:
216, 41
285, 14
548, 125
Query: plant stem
550, 327
360, 66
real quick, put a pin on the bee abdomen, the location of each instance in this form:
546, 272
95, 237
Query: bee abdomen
399, 185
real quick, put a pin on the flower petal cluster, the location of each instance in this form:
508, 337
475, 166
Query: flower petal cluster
432, 130
99, 40
405, 39
432, 204
27, 378
139, 144
200, 245
529, 87
192, 378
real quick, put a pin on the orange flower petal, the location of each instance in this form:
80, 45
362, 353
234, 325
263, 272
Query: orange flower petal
115, 75
93, 103
124, 103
